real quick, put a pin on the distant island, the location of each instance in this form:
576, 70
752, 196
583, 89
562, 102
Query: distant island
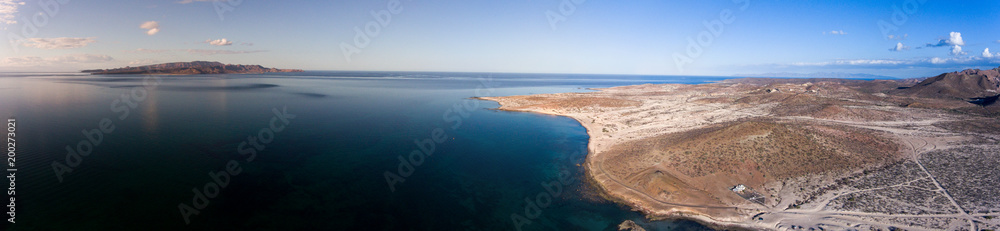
836, 75
189, 68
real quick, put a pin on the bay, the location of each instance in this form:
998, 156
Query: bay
324, 170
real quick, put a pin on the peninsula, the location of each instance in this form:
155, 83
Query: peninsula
777, 154
189, 68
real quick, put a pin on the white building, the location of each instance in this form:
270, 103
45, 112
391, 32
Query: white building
739, 188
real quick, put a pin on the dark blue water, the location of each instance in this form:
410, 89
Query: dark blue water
326, 150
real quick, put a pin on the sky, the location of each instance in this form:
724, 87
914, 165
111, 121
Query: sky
899, 38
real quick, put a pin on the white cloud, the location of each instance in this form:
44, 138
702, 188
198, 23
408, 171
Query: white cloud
957, 50
897, 37
220, 52
57, 43
987, 54
152, 27
954, 39
8, 8
899, 47
55, 61
837, 32
219, 42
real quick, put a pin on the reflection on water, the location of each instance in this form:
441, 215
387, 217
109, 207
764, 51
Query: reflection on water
150, 114
324, 171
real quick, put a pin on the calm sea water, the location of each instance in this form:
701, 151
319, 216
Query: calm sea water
324, 169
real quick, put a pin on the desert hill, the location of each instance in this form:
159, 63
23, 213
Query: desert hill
966, 84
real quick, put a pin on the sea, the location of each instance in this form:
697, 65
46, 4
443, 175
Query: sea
314, 150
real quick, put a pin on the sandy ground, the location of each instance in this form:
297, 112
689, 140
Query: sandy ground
814, 150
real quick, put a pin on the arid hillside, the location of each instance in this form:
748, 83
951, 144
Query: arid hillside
783, 153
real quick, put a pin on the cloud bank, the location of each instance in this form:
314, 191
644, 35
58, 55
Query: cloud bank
55, 61
8, 8
143, 50
195, 51
57, 43
964, 61
220, 52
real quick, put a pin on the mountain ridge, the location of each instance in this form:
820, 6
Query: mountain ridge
190, 68
839, 75
966, 84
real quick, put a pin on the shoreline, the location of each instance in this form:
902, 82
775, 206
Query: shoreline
804, 153
591, 179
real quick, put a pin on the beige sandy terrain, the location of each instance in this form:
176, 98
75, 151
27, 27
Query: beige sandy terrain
822, 153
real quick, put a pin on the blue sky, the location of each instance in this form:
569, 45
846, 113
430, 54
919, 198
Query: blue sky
543, 36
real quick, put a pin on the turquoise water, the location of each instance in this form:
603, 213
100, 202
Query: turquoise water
326, 163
